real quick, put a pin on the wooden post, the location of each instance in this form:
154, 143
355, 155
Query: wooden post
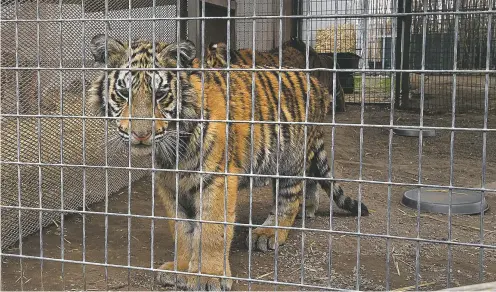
402, 53
194, 25
183, 12
287, 22
295, 22
297, 25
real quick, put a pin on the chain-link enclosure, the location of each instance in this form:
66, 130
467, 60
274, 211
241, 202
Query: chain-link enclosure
121, 155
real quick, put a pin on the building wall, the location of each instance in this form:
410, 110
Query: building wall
264, 37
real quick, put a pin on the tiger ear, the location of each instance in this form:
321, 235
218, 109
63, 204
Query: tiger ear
221, 47
218, 49
114, 48
187, 53
212, 47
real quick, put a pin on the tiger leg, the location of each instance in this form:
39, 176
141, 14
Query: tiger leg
290, 192
340, 102
312, 200
180, 231
211, 242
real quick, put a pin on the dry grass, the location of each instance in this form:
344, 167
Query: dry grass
346, 39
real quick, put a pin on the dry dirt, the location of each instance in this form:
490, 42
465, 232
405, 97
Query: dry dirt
369, 270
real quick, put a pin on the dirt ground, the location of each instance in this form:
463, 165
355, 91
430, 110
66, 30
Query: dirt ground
310, 250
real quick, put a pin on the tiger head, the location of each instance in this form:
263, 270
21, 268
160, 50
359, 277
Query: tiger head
217, 55
141, 99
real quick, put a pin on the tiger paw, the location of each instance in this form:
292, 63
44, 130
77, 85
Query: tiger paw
198, 283
170, 278
264, 239
308, 214
211, 282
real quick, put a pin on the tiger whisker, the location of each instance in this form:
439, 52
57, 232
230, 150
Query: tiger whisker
110, 140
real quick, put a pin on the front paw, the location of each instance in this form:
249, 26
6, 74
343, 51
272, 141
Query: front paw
264, 238
170, 278
198, 283
210, 283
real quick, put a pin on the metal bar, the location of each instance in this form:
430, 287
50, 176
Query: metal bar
315, 16
458, 71
362, 112
253, 86
130, 131
38, 122
154, 105
62, 201
488, 130
83, 82
484, 140
476, 287
256, 175
278, 150
1, 199
194, 30
18, 131
420, 144
106, 239
202, 33
226, 149
325, 231
333, 137
305, 134
390, 151
452, 143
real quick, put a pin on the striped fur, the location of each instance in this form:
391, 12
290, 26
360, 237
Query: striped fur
218, 157
293, 55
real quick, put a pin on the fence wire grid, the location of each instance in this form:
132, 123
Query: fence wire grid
80, 209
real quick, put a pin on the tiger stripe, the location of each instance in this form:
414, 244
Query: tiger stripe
293, 55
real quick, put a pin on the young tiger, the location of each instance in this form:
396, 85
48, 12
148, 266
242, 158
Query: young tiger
293, 55
130, 95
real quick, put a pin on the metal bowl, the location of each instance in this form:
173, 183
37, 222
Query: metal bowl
414, 132
435, 200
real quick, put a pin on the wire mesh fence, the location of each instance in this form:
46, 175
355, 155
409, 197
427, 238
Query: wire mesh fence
124, 147
472, 51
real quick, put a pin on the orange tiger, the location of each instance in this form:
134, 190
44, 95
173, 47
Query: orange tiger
163, 95
293, 55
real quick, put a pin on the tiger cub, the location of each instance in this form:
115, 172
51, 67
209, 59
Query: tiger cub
155, 95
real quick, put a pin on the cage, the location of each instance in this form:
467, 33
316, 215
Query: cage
80, 211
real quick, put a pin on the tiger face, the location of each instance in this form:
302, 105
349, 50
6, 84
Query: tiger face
141, 99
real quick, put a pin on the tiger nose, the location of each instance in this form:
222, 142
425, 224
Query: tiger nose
141, 136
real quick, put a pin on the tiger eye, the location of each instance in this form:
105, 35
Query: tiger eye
124, 92
161, 93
